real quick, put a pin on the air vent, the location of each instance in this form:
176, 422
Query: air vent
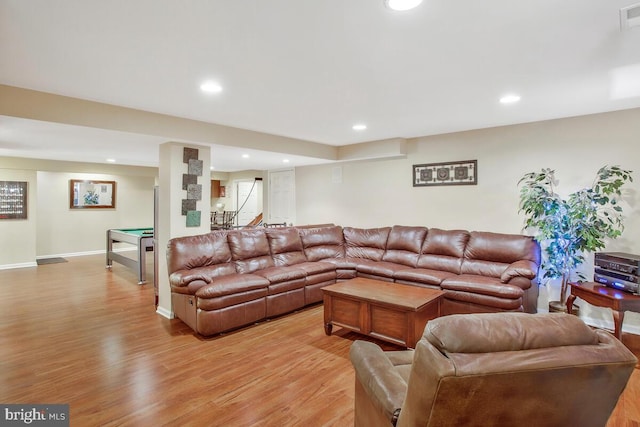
630, 17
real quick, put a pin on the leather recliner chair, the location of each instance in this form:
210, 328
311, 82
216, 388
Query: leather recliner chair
498, 369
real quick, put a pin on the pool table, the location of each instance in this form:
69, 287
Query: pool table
142, 238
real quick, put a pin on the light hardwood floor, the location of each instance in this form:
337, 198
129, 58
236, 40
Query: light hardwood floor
77, 333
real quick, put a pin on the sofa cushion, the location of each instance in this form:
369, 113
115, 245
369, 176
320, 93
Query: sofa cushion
281, 274
231, 284
192, 280
318, 267
322, 242
250, 250
345, 267
378, 268
285, 245
482, 290
489, 254
443, 250
520, 269
367, 243
421, 275
188, 252
404, 244
481, 285
456, 302
232, 300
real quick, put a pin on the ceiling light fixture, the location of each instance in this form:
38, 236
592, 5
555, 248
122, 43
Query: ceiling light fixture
245, 156
510, 99
630, 17
402, 5
111, 160
285, 160
210, 87
359, 127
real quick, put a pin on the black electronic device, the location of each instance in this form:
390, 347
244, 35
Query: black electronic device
618, 270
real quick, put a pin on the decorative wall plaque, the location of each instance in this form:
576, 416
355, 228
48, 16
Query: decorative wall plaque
195, 167
188, 154
188, 205
190, 184
193, 219
194, 192
188, 179
13, 200
464, 172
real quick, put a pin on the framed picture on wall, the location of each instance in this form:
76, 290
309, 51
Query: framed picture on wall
464, 172
13, 200
90, 194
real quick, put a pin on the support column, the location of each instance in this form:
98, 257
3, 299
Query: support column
184, 196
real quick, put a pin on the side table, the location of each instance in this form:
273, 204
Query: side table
604, 296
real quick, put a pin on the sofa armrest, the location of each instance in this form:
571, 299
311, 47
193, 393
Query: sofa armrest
184, 277
383, 384
523, 268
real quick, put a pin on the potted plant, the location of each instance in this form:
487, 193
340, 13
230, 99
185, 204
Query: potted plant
567, 228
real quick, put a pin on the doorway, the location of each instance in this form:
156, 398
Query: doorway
248, 201
282, 196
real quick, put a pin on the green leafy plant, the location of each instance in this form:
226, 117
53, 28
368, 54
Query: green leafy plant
567, 228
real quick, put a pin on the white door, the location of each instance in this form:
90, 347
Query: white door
247, 201
282, 196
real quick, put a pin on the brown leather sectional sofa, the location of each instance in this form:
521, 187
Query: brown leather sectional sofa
226, 279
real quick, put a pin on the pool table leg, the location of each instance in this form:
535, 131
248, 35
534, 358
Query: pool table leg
142, 258
109, 249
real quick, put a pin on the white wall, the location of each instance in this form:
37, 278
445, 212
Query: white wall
64, 231
377, 193
380, 193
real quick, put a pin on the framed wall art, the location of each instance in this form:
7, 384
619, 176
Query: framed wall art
13, 200
92, 194
464, 172
190, 156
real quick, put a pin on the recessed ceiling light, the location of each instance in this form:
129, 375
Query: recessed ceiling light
509, 99
245, 156
285, 160
111, 160
401, 5
210, 87
212, 168
359, 126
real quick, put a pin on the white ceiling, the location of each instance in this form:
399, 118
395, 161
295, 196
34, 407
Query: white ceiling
310, 69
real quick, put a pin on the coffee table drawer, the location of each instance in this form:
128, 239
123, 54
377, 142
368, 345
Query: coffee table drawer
388, 324
346, 313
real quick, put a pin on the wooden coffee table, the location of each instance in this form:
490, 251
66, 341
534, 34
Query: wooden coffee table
388, 311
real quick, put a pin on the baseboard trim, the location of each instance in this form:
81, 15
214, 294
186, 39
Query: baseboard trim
71, 254
65, 255
165, 313
19, 265
35, 263
97, 252
604, 324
